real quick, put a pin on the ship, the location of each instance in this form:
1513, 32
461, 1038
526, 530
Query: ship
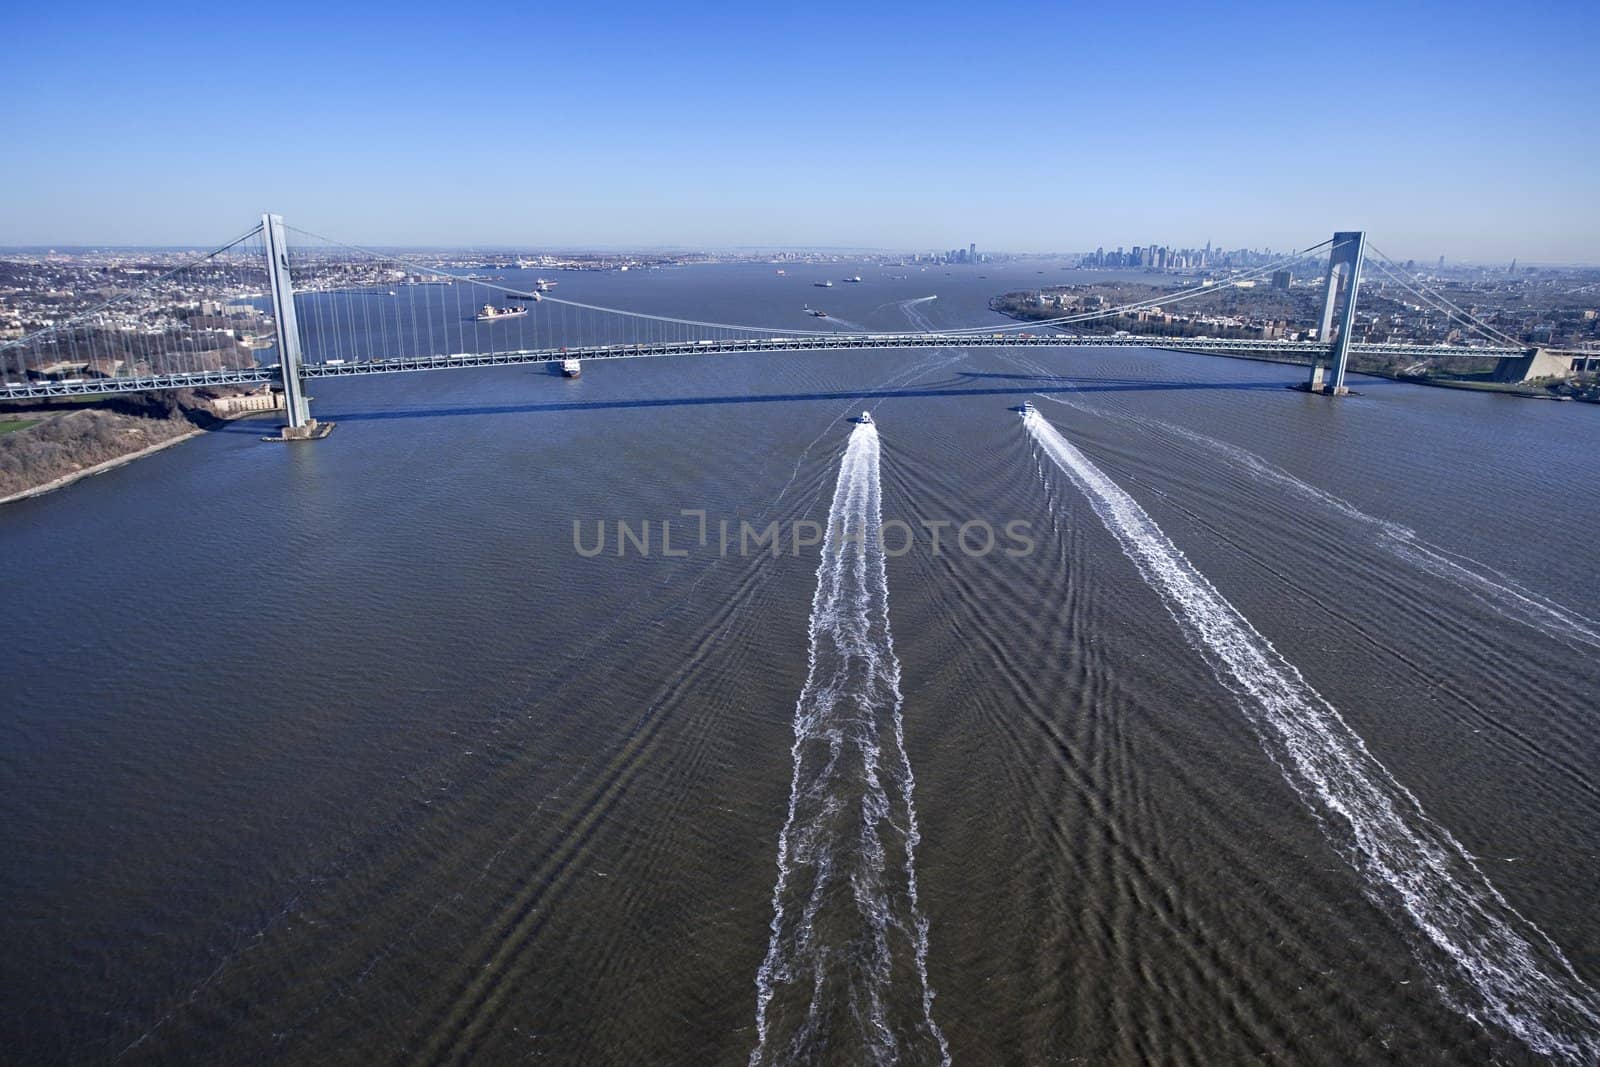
855, 278
865, 419
490, 313
571, 368
542, 286
1024, 409
823, 285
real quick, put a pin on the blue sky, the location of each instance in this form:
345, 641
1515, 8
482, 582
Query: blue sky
1467, 130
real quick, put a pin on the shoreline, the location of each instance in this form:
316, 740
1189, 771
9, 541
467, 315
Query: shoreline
111, 464
98, 468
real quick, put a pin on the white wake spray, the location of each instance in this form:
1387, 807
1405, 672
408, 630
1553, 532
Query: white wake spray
846, 923
1487, 960
1491, 588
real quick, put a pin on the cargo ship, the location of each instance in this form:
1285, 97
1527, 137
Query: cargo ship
823, 285
490, 313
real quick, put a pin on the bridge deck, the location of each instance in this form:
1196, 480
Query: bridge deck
1302, 350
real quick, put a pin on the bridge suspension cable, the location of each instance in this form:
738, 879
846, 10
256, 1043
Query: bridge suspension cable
162, 325
1439, 303
770, 331
523, 294
1140, 305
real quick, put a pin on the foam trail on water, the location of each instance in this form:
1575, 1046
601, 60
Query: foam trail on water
1487, 960
845, 975
1491, 588
917, 318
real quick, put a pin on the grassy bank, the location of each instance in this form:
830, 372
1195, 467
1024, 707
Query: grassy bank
49, 442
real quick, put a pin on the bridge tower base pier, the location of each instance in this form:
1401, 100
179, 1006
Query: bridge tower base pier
1344, 278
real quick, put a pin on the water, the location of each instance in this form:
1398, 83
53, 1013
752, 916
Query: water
1484, 953
846, 928
342, 753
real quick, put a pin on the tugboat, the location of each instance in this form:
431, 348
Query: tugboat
571, 368
865, 419
490, 313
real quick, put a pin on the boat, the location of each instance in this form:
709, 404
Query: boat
865, 419
1024, 409
571, 368
542, 286
818, 312
856, 278
490, 313
823, 284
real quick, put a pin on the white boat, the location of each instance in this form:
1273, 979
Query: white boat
865, 419
855, 278
571, 368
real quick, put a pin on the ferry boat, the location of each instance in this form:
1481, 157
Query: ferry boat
571, 368
490, 313
865, 419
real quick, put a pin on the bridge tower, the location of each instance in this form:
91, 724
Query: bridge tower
301, 426
1344, 278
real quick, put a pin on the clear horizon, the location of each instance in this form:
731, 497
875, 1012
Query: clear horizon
625, 127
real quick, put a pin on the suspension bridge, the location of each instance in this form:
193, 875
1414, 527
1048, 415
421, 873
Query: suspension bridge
267, 310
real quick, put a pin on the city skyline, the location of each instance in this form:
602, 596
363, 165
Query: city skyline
860, 130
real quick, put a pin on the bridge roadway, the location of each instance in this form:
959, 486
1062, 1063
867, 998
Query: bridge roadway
1302, 350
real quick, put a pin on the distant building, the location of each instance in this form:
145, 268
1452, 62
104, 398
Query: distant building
1282, 279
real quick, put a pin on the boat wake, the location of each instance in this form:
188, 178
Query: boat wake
1495, 590
845, 975
1487, 961
918, 320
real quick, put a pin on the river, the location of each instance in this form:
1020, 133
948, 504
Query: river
1276, 741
